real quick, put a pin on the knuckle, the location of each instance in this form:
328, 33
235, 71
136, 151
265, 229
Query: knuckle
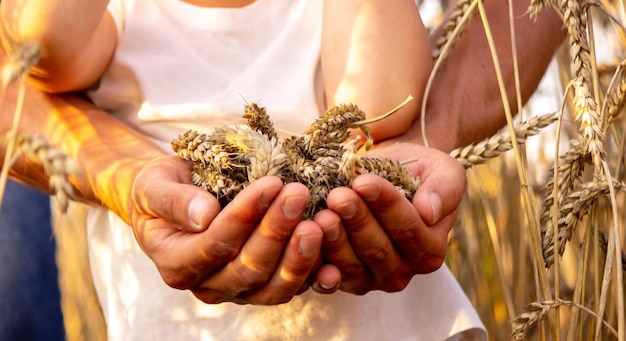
376, 256
396, 284
250, 277
353, 271
220, 251
357, 223
209, 296
278, 233
431, 264
275, 299
175, 279
404, 234
298, 271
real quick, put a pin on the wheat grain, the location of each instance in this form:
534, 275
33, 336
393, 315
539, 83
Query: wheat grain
231, 157
454, 21
536, 312
494, 146
574, 207
56, 164
25, 55
584, 104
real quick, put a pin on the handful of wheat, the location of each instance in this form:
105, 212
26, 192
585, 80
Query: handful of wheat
231, 157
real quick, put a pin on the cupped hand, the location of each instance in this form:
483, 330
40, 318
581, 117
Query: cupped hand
255, 250
376, 238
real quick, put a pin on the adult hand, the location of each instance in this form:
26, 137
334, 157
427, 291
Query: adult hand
256, 250
376, 238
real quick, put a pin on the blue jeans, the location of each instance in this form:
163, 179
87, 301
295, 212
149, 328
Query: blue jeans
30, 304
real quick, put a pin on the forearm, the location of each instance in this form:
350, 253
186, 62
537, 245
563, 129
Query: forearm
69, 32
108, 153
374, 54
464, 104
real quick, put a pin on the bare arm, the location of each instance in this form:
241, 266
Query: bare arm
464, 104
375, 54
77, 37
180, 226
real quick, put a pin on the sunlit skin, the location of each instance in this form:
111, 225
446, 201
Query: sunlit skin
188, 255
375, 54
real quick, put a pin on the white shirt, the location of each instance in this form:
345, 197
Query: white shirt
177, 67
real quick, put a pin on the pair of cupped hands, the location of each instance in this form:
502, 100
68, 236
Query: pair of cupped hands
258, 250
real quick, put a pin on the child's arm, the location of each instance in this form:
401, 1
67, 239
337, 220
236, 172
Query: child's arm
77, 38
374, 54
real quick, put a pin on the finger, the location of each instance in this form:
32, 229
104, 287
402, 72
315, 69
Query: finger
368, 239
327, 279
424, 247
295, 268
336, 246
184, 259
263, 250
400, 218
163, 189
443, 182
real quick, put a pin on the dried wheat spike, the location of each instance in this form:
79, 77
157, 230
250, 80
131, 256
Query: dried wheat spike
536, 6
616, 98
333, 127
570, 167
231, 157
259, 120
25, 55
494, 146
56, 164
536, 312
574, 208
585, 106
454, 21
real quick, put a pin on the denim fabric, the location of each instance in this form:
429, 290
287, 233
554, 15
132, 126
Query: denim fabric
30, 306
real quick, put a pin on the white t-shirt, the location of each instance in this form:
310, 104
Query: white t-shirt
177, 67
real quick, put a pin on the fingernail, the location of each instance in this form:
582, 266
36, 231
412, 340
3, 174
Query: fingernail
265, 199
435, 205
196, 212
294, 206
327, 286
332, 233
346, 210
369, 192
309, 244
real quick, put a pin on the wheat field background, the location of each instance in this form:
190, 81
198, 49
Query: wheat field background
567, 181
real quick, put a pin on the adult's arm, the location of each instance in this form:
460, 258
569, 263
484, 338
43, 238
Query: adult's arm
179, 226
464, 104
